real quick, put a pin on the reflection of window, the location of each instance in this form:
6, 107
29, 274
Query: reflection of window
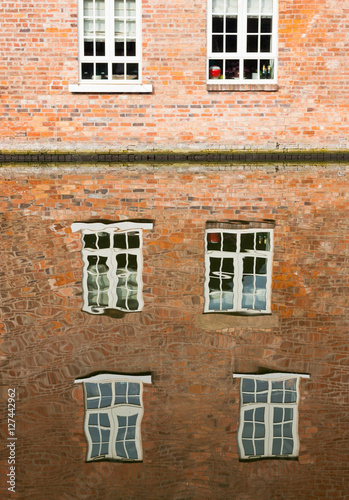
242, 40
112, 273
238, 270
268, 415
113, 415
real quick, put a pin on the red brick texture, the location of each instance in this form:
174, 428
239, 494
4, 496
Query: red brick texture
192, 408
39, 59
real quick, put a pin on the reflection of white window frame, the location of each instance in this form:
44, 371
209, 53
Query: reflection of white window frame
104, 420
109, 20
237, 258
269, 409
241, 53
114, 275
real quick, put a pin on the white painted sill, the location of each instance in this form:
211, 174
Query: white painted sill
110, 88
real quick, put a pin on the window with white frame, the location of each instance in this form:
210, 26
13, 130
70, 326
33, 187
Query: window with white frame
112, 266
269, 415
113, 415
238, 266
242, 41
110, 46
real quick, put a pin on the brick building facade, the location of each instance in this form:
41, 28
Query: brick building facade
177, 106
161, 289
190, 426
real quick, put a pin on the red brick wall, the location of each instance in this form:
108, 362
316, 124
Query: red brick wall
191, 409
38, 55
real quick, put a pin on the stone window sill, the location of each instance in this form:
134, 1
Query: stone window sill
242, 87
110, 88
223, 321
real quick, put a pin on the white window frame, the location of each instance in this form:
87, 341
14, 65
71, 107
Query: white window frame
110, 85
111, 413
269, 415
237, 258
110, 254
241, 54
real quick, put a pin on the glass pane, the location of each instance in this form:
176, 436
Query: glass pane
121, 262
276, 450
100, 48
88, 48
231, 24
119, 27
228, 267
121, 434
247, 242
130, 47
88, 7
217, 24
132, 419
248, 284
215, 302
288, 429
265, 43
94, 433
252, 24
259, 414
266, 24
261, 265
134, 400
290, 397
253, 6
259, 431
105, 402
261, 283
231, 43
104, 448
259, 447
277, 396
231, 6
131, 28
287, 448
131, 433
247, 301
93, 419
288, 414
278, 415
120, 241
262, 385
104, 420
132, 263
91, 390
120, 449
131, 71
122, 421
231, 72
251, 69
99, 7
262, 241
247, 430
105, 389
260, 301
88, 27
215, 69
227, 300
119, 49
277, 430
267, 6
248, 397
100, 27
213, 241
248, 385
252, 43
90, 241
133, 240
119, 8
266, 68
102, 74
262, 397
131, 8
92, 403
105, 435
218, 6
131, 450
217, 43
95, 450
103, 240
248, 265
87, 71
248, 447
215, 265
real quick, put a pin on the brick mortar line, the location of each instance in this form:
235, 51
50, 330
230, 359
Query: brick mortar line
248, 157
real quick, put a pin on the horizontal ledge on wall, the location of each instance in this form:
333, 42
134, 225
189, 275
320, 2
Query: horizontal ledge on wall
242, 87
108, 88
222, 321
238, 157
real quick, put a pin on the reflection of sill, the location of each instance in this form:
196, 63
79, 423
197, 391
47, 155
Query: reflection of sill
221, 321
242, 87
111, 88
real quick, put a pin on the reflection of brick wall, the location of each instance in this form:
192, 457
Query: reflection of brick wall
191, 409
39, 59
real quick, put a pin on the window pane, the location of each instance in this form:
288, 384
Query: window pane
260, 301
265, 43
247, 242
119, 8
248, 265
94, 433
231, 72
95, 450
131, 28
253, 6
217, 43
251, 69
252, 24
228, 266
215, 69
259, 447
248, 385
217, 24
132, 419
130, 47
103, 240
100, 48
276, 450
248, 447
120, 449
218, 6
213, 241
247, 430
93, 419
104, 420
287, 448
90, 241
288, 429
231, 43
262, 241
87, 71
119, 48
92, 390
102, 74
261, 265
231, 6
266, 24
267, 6
247, 284
278, 415
100, 7
132, 71
131, 8
131, 450
259, 431
259, 414
88, 7
88, 48
231, 24
252, 43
